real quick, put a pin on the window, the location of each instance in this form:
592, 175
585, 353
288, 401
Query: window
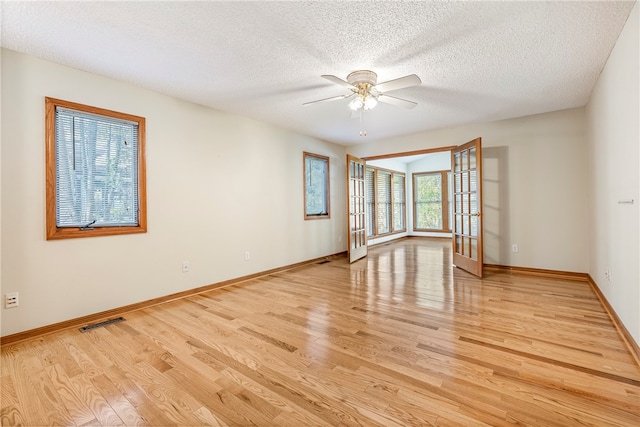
431, 201
95, 171
386, 209
316, 186
370, 186
383, 201
399, 206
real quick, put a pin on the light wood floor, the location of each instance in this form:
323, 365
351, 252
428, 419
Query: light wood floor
396, 339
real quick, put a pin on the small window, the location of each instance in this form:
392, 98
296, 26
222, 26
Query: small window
431, 201
95, 171
316, 186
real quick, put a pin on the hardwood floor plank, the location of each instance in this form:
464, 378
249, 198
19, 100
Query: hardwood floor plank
399, 338
72, 400
133, 393
116, 400
90, 396
10, 416
208, 418
42, 403
554, 361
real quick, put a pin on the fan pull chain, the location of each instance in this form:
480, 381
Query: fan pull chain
362, 131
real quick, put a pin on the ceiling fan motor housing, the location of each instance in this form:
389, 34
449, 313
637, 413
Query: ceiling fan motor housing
362, 76
364, 81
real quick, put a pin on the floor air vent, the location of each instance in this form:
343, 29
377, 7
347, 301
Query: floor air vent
323, 262
93, 326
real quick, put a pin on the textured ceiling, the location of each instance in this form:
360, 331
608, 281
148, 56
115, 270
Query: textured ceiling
479, 61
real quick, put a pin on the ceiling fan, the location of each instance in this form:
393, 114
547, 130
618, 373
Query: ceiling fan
366, 92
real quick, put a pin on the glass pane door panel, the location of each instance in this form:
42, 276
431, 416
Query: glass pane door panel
357, 207
473, 181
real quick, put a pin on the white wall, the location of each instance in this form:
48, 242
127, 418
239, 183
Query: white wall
393, 164
1, 239
535, 189
614, 160
217, 185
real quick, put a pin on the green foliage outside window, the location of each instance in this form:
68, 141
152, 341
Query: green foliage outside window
428, 196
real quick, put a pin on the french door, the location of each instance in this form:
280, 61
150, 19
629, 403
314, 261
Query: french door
356, 208
466, 170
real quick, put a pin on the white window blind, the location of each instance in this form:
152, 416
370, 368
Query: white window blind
383, 201
96, 170
398, 202
369, 183
386, 201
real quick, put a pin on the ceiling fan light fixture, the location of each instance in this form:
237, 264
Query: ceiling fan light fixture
370, 102
357, 103
366, 102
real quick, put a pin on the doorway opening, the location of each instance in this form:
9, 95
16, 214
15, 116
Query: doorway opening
442, 198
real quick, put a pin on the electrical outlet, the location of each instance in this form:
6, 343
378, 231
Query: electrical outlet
11, 300
514, 248
247, 256
607, 274
186, 266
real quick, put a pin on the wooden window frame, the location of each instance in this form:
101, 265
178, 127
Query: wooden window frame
326, 215
444, 176
54, 232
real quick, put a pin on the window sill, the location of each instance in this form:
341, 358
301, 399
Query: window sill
73, 233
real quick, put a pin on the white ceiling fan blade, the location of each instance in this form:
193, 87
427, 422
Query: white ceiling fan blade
399, 102
399, 83
338, 81
333, 98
